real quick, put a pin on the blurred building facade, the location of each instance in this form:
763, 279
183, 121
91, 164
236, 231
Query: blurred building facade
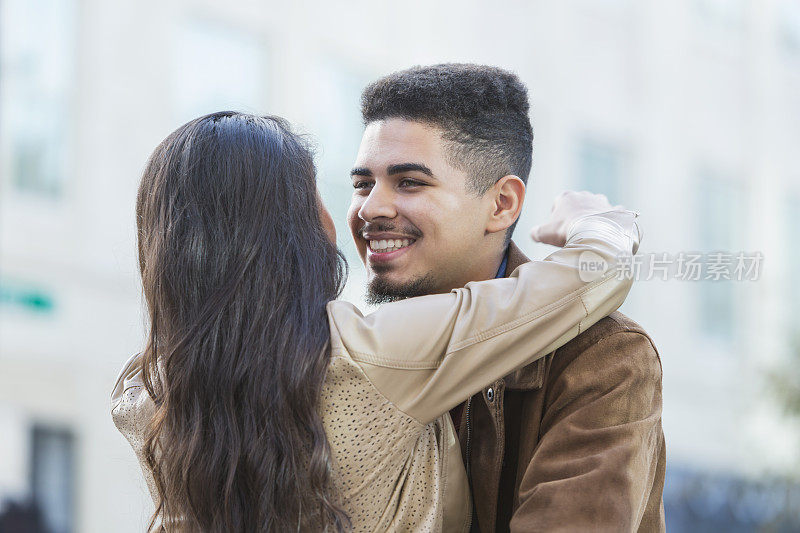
688, 111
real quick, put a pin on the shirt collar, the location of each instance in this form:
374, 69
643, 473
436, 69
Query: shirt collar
501, 272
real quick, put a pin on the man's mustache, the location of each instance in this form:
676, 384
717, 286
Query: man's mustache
389, 227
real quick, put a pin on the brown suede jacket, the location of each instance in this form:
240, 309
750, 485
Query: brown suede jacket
573, 441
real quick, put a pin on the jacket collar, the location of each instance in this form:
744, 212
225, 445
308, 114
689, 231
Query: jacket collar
515, 258
531, 376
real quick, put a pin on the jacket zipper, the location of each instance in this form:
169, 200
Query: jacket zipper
469, 460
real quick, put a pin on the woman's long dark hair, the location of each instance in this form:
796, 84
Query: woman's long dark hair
237, 270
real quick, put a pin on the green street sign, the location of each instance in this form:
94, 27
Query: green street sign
27, 297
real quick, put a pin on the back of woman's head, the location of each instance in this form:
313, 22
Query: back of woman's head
237, 269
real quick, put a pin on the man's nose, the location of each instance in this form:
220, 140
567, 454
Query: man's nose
379, 203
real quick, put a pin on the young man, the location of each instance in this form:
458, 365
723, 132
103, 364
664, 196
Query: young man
572, 442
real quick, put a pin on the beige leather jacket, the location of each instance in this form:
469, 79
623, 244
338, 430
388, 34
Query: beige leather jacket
395, 373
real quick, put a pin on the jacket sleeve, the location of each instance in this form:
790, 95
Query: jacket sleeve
428, 354
597, 459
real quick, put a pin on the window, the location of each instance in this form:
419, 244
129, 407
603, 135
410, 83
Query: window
720, 225
336, 119
216, 68
37, 65
789, 25
53, 476
337, 113
793, 262
333, 93
601, 169
725, 13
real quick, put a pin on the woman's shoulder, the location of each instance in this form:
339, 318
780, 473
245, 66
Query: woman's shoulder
129, 376
131, 405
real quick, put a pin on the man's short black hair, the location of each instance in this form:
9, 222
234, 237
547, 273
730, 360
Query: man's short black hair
482, 112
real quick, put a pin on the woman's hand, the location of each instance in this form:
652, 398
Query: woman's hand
568, 207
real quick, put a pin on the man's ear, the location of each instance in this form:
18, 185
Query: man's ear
508, 194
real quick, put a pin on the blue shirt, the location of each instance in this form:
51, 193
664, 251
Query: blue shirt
501, 272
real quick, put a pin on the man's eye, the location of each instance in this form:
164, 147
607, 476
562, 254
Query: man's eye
361, 184
408, 182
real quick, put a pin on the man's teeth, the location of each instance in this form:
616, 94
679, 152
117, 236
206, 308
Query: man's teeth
389, 245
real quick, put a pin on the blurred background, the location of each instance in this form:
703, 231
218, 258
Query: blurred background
687, 110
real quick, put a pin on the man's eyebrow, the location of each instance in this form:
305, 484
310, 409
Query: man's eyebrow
409, 167
361, 171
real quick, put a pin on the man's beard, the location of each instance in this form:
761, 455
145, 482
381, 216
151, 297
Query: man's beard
380, 291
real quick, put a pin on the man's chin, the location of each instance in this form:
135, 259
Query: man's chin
381, 291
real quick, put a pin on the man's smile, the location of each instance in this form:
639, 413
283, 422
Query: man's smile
384, 247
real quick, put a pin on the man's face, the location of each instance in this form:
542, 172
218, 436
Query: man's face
417, 227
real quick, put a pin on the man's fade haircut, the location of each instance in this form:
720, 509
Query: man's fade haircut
482, 112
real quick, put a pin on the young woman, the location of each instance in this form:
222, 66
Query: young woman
261, 403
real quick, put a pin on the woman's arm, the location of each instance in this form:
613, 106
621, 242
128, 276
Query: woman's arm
428, 354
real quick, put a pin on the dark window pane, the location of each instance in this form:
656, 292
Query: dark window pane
52, 477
